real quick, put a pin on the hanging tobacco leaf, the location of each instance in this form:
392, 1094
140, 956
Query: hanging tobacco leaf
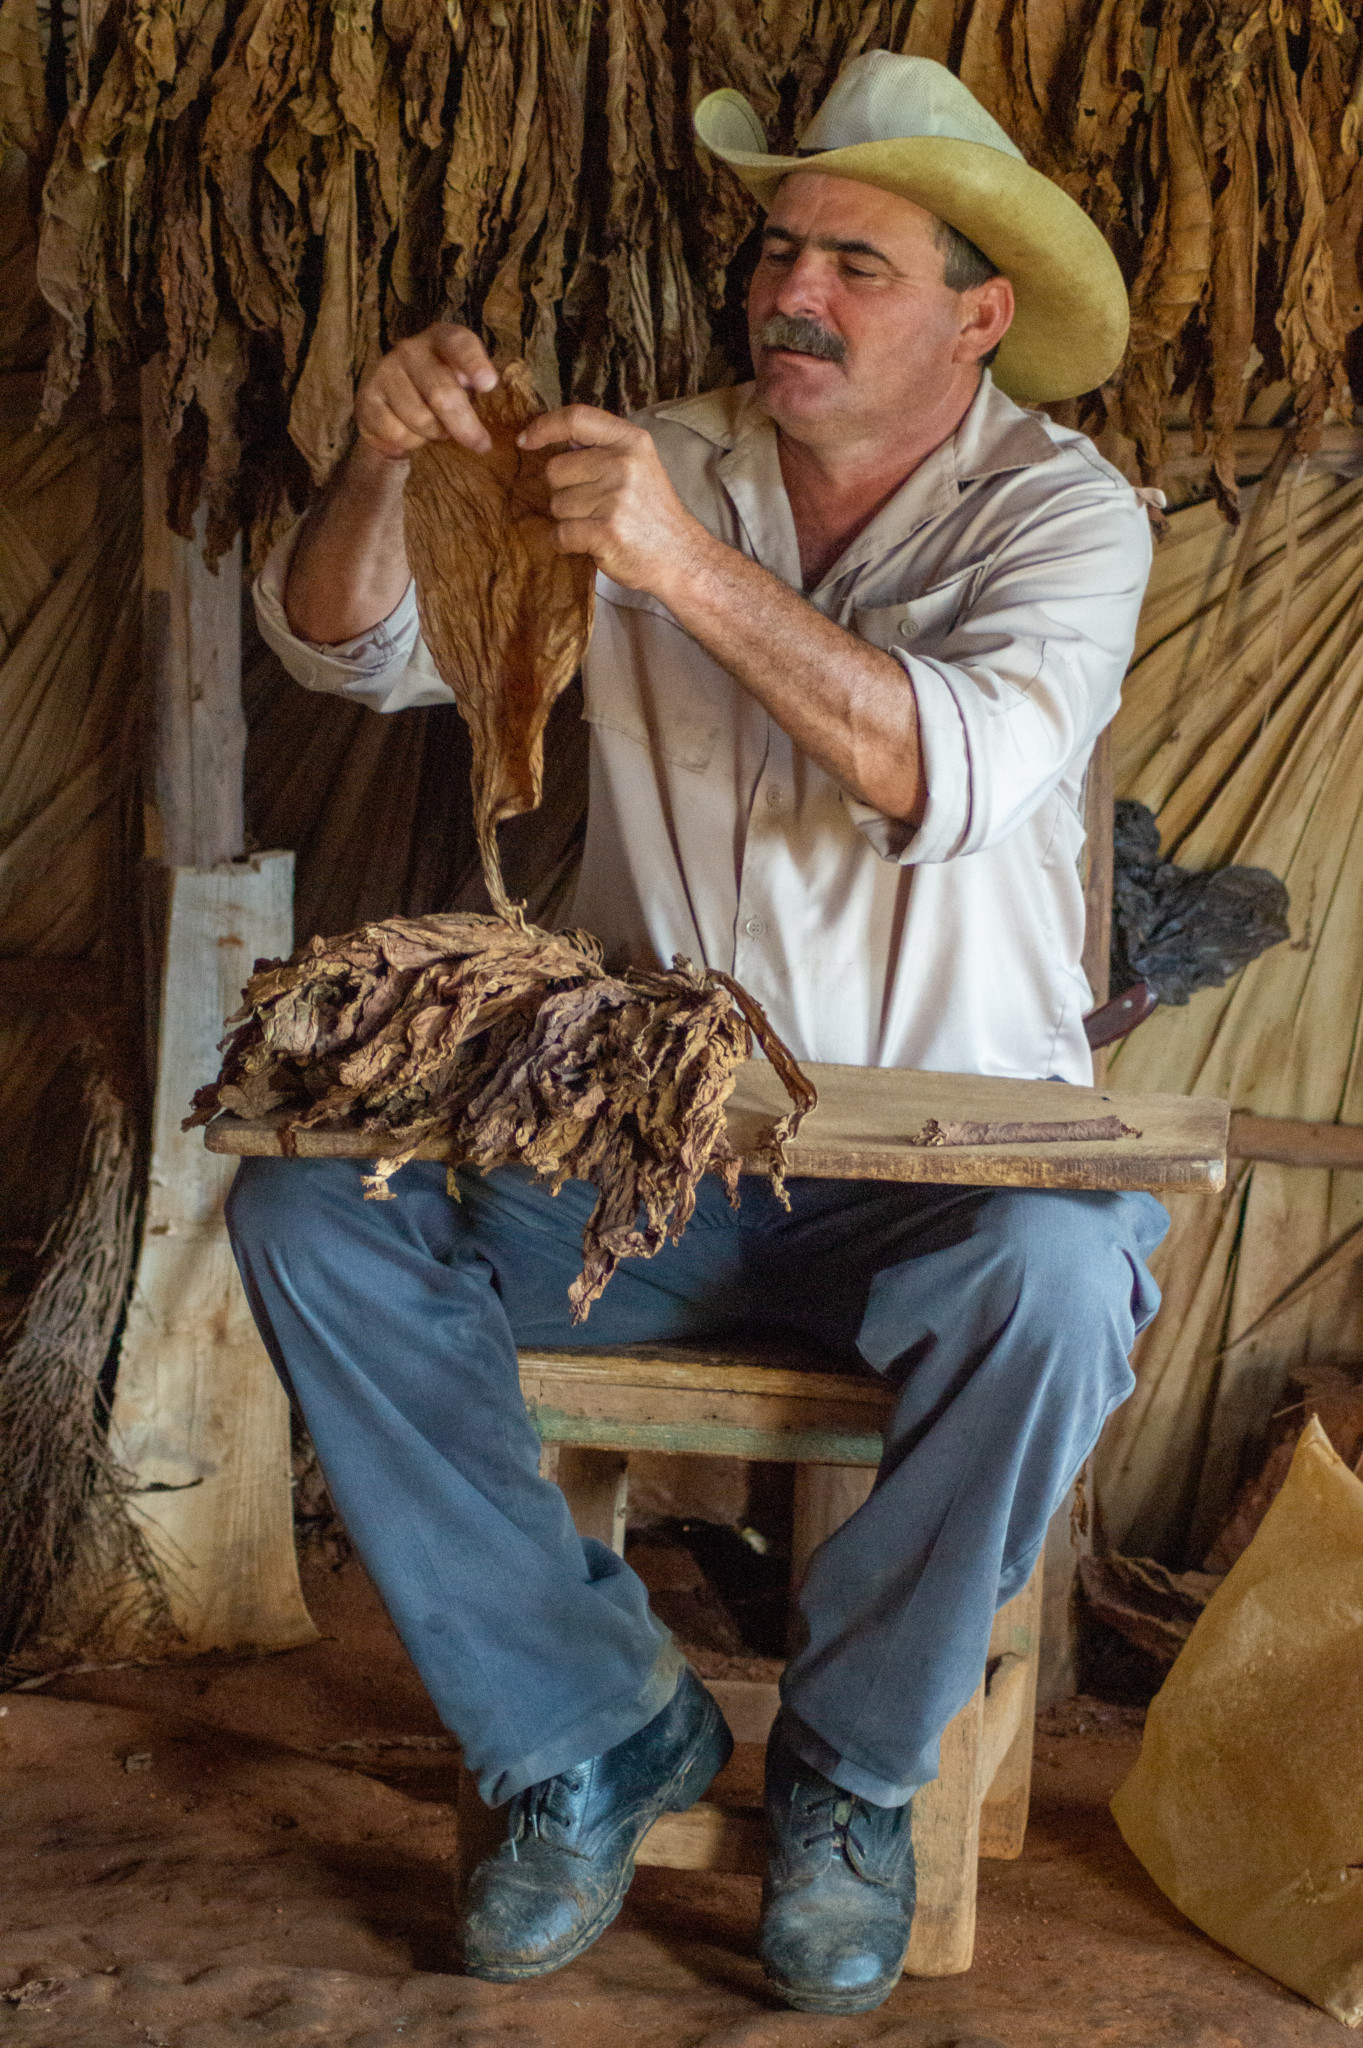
505, 615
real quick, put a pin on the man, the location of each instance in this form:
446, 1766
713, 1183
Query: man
858, 627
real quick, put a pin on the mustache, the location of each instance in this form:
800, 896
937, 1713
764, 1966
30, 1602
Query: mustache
804, 336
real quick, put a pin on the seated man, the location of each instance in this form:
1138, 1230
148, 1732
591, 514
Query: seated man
858, 626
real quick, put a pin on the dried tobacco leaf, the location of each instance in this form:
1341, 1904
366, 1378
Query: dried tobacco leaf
505, 615
510, 1044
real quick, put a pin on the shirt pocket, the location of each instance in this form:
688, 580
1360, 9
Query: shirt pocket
927, 619
645, 677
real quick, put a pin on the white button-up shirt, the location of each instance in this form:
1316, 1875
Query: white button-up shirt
1005, 576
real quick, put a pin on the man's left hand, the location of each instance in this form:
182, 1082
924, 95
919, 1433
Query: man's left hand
613, 499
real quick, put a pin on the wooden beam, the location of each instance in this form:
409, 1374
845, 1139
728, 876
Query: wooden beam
191, 625
199, 1417
198, 1414
869, 1125
1295, 1141
1255, 448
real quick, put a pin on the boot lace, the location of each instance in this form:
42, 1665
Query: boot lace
545, 1810
828, 1817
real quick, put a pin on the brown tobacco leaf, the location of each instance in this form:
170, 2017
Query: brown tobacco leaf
512, 1045
505, 615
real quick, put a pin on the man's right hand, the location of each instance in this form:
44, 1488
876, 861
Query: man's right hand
420, 392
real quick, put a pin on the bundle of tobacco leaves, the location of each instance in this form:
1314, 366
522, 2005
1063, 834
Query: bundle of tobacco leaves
509, 1044
505, 615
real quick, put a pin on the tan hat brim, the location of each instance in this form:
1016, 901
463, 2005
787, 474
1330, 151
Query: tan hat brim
1070, 329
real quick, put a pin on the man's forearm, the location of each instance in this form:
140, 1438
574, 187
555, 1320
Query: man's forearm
349, 567
847, 704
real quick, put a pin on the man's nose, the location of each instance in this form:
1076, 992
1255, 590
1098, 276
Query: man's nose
804, 287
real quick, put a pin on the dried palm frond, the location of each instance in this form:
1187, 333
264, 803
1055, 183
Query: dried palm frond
72, 1561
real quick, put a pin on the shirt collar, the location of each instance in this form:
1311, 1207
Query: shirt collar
995, 436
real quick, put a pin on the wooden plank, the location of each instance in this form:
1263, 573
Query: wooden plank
198, 1415
1296, 1141
1005, 1694
748, 1705
628, 1399
1068, 1538
826, 1495
869, 1119
1006, 1781
946, 1835
686, 1369
713, 1439
708, 1837
595, 1485
191, 622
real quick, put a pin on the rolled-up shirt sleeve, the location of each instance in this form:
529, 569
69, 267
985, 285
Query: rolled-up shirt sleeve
389, 668
1018, 686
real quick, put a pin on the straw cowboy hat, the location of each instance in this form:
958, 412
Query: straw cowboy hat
906, 125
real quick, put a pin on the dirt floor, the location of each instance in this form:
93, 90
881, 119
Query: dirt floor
230, 1853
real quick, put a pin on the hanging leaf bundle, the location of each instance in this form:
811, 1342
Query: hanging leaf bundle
273, 192
509, 1045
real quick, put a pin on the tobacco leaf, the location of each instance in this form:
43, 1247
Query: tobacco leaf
507, 1044
319, 418
351, 171
1308, 317
25, 122
505, 615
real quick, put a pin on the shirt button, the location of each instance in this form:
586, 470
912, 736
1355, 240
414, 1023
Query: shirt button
755, 927
776, 796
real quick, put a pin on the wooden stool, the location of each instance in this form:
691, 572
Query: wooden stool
592, 1409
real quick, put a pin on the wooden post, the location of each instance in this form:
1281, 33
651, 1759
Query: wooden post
198, 1415
1007, 1796
826, 1496
595, 1485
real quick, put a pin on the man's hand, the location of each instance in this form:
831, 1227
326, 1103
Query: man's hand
614, 501
420, 392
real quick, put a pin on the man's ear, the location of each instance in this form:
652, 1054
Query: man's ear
986, 315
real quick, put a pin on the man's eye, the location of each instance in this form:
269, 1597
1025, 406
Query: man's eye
851, 270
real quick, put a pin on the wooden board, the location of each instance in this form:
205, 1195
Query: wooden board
199, 1416
869, 1118
663, 1398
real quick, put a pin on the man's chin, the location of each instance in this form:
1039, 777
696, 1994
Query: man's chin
796, 387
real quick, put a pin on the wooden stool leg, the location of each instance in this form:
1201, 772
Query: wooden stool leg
596, 1487
825, 1497
1003, 1807
946, 1832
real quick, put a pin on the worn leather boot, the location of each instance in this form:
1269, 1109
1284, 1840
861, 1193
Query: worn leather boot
837, 1905
560, 1877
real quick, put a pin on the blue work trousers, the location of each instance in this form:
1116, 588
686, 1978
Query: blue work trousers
1002, 1318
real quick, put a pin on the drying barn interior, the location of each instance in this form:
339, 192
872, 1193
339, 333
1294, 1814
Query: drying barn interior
233, 1810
